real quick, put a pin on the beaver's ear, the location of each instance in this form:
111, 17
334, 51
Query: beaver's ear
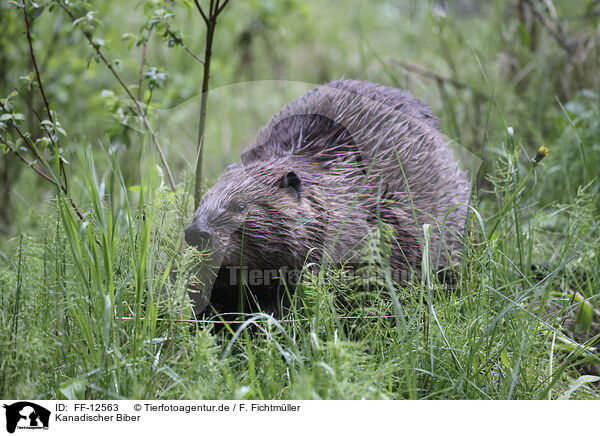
291, 180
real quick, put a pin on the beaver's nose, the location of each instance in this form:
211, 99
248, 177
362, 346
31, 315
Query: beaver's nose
197, 236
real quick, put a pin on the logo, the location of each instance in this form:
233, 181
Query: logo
26, 415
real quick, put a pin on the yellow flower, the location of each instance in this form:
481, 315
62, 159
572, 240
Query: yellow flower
541, 153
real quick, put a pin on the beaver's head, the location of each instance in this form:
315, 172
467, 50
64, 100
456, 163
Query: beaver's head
250, 217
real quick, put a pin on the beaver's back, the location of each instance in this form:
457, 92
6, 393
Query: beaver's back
377, 139
340, 110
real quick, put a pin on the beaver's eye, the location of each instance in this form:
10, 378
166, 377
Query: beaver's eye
241, 207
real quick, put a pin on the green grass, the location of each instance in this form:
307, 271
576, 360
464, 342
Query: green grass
94, 312
100, 310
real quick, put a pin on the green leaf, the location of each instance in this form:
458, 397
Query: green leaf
37, 12
584, 316
581, 381
12, 117
504, 359
73, 389
42, 143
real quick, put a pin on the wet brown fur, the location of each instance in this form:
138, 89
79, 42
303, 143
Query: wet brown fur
354, 146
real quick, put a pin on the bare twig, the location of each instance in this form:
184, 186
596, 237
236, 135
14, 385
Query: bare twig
194, 55
439, 78
63, 173
204, 17
211, 22
35, 65
138, 105
30, 164
220, 8
45, 176
553, 26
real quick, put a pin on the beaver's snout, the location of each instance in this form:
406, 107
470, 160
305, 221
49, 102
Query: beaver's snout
198, 235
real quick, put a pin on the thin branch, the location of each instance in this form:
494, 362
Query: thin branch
439, 78
148, 101
30, 145
143, 62
62, 174
194, 55
220, 9
35, 65
210, 30
204, 17
137, 103
38, 171
37, 115
30, 164
215, 8
553, 27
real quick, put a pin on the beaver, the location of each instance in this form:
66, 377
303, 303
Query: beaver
325, 171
